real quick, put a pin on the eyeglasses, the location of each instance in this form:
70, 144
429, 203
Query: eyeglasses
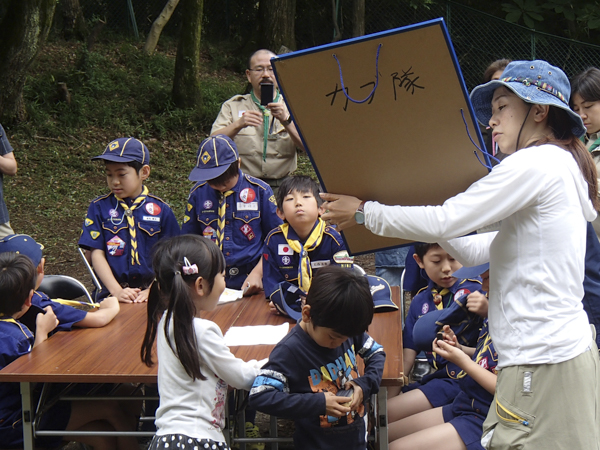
260, 69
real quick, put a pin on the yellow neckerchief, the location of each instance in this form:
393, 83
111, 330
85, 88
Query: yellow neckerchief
313, 241
135, 257
438, 297
266, 114
221, 220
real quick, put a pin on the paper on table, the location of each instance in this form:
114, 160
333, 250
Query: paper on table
256, 335
230, 295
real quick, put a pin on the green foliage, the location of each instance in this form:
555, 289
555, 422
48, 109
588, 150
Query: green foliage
122, 89
526, 11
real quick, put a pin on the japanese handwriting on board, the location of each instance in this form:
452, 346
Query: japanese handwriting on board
406, 80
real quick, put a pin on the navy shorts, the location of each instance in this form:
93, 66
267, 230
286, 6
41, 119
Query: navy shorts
440, 391
182, 442
467, 421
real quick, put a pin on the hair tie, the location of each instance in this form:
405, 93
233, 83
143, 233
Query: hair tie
177, 272
188, 268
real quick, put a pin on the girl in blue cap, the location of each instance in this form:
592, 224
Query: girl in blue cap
544, 193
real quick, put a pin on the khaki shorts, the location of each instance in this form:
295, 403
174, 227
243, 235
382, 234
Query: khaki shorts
547, 406
5, 230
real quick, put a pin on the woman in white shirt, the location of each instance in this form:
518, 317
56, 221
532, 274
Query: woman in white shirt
544, 194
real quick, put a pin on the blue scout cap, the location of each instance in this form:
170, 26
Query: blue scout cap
126, 150
382, 294
24, 245
535, 82
471, 272
288, 300
215, 155
464, 323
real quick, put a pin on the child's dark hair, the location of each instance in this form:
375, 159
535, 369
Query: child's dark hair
587, 85
231, 172
421, 248
171, 292
17, 280
499, 64
298, 183
340, 299
137, 166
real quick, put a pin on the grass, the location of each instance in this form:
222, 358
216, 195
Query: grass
116, 91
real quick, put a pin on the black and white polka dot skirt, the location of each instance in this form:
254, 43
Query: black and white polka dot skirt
181, 441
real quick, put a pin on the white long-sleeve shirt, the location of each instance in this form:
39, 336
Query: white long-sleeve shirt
536, 259
197, 408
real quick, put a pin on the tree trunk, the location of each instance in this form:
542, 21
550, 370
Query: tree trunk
358, 18
158, 26
22, 32
277, 24
73, 21
186, 85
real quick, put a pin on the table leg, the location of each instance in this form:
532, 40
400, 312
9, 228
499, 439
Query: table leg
382, 418
28, 412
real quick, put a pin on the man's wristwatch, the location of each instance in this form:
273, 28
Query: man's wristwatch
359, 215
287, 121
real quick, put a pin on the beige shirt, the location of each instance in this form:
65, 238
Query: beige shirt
281, 150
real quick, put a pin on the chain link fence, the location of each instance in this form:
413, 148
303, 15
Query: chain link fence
478, 38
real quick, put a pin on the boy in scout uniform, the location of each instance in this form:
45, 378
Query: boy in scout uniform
233, 209
121, 227
303, 244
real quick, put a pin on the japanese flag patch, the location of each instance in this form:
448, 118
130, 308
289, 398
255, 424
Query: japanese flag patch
247, 195
153, 209
461, 292
284, 249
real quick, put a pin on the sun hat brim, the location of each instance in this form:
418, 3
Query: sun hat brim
528, 90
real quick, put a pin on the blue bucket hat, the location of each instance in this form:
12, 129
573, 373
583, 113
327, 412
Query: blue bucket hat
471, 272
464, 323
126, 150
24, 245
382, 294
535, 82
215, 155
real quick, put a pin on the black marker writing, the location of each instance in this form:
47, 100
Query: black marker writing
334, 94
405, 82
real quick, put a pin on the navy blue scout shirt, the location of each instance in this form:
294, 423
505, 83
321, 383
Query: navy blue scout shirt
67, 315
292, 383
280, 262
105, 228
15, 340
250, 214
473, 394
423, 303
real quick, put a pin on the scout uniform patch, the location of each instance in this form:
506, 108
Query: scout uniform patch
116, 246
152, 208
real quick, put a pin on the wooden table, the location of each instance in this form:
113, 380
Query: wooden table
112, 354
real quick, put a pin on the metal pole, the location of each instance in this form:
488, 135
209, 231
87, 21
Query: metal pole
132, 18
